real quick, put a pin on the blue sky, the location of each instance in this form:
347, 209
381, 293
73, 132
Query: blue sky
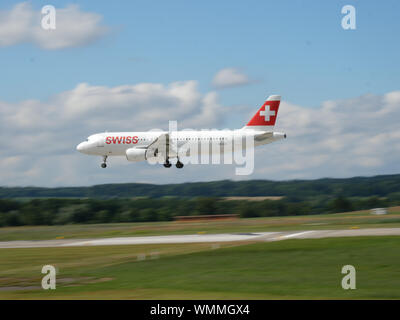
295, 48
175, 50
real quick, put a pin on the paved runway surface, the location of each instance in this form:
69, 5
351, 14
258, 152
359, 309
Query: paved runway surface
225, 237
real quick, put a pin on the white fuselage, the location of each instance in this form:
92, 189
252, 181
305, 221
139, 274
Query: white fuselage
163, 145
117, 143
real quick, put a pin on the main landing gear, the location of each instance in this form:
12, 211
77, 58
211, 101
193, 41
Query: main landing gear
104, 164
179, 165
168, 164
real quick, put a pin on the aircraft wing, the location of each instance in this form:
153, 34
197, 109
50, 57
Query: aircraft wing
159, 147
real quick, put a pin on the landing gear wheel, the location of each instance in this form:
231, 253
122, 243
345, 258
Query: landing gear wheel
167, 165
104, 164
179, 165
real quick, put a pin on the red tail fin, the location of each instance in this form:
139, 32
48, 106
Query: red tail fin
264, 119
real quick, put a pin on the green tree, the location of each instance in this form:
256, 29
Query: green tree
206, 206
341, 204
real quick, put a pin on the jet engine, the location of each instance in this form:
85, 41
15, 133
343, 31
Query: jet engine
136, 154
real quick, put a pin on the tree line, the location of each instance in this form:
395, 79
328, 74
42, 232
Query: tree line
55, 211
380, 186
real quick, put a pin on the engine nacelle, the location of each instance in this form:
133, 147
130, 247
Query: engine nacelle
136, 154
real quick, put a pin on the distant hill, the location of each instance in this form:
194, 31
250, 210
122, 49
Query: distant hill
350, 187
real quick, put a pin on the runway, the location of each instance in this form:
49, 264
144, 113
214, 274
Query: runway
199, 238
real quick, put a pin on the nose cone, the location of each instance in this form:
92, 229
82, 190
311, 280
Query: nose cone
81, 147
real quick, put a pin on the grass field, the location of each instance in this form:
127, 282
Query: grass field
358, 219
295, 269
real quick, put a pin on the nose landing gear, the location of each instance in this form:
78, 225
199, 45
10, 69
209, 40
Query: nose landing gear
104, 164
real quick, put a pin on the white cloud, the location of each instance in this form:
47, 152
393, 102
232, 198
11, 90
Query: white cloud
74, 28
342, 138
230, 77
54, 126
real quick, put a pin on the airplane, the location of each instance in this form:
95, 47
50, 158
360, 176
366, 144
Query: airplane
141, 146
